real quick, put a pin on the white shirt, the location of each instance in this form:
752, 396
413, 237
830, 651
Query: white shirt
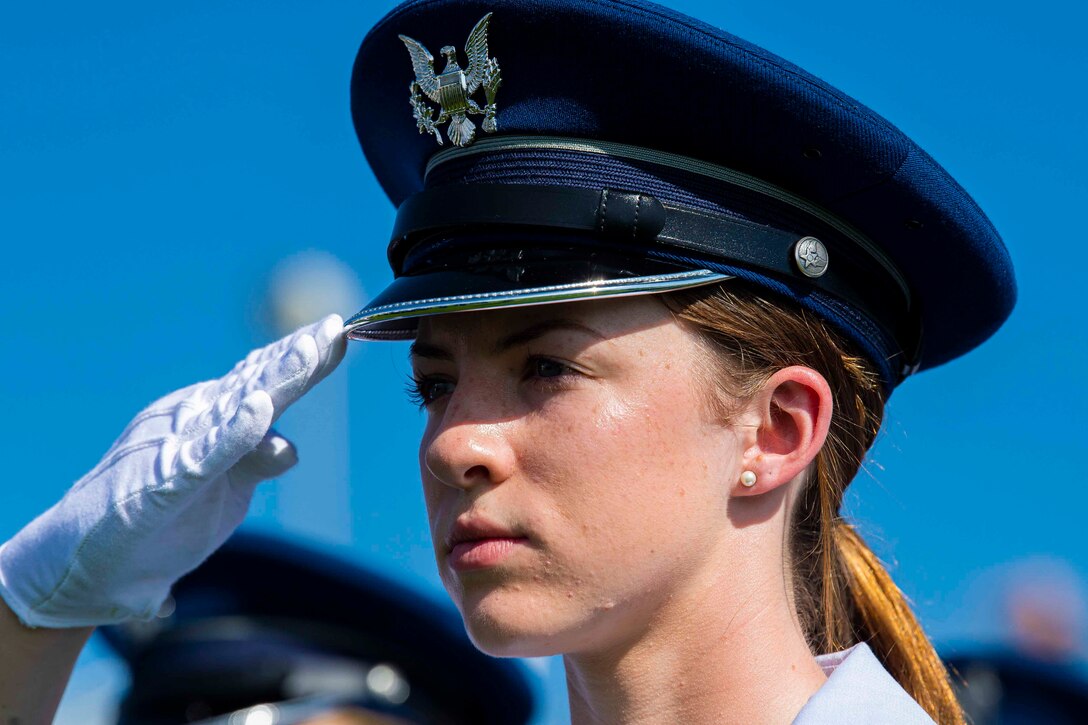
859, 691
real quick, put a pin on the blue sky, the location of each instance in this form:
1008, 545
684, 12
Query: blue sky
158, 161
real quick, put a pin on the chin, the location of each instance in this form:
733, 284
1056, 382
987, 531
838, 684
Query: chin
512, 624
499, 639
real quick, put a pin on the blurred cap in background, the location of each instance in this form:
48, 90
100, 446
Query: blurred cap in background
1033, 668
268, 632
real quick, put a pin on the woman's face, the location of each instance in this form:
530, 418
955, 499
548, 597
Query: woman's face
575, 475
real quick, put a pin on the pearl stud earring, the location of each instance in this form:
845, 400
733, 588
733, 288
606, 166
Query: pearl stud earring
748, 479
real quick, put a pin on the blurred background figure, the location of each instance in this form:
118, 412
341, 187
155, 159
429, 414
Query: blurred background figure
308, 286
270, 632
1032, 667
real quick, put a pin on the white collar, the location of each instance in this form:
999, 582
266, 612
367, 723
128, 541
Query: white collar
859, 691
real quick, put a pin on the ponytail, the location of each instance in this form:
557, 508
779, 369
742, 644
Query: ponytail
883, 619
843, 594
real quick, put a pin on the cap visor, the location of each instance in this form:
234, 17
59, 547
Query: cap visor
394, 314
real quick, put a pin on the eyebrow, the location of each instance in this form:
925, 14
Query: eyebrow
420, 349
543, 328
426, 350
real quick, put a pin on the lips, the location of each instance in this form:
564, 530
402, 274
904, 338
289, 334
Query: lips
478, 543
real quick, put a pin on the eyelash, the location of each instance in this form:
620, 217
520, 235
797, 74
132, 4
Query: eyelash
418, 389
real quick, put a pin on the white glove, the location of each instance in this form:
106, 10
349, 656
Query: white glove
167, 494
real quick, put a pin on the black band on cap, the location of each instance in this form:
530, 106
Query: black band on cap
640, 221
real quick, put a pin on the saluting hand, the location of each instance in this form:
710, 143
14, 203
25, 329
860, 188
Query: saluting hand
168, 493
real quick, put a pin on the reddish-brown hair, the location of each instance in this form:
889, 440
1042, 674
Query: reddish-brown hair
843, 593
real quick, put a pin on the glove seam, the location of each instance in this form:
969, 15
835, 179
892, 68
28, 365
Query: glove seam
156, 412
118, 455
194, 392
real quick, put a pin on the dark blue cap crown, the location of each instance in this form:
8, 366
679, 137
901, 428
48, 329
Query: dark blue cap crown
737, 155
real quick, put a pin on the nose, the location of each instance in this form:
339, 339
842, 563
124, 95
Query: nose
466, 452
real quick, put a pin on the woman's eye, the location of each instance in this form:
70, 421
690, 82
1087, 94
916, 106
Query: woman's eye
542, 367
425, 390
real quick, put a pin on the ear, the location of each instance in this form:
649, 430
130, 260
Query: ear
789, 417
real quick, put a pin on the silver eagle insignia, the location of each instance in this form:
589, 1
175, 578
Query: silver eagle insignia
452, 88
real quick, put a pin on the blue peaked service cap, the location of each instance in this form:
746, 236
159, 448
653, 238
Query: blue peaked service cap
573, 149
